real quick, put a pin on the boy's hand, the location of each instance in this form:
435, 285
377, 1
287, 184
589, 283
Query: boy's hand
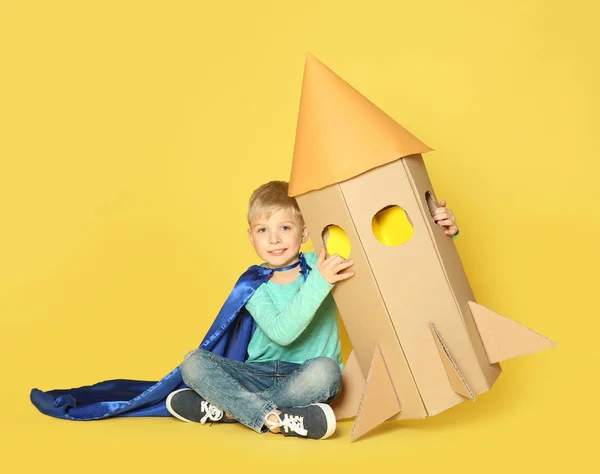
444, 217
330, 267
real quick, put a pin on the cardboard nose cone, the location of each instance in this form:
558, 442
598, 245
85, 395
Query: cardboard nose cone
340, 133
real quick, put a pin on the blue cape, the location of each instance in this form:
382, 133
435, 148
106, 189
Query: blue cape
228, 336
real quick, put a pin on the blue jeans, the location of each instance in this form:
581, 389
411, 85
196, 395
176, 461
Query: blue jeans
249, 391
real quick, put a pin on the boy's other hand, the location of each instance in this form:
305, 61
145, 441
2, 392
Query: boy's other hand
444, 217
330, 267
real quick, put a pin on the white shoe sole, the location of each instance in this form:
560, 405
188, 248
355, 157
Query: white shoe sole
331, 421
168, 403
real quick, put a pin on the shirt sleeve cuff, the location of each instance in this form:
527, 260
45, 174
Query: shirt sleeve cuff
320, 282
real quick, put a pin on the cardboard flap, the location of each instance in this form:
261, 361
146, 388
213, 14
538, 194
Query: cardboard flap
379, 399
503, 338
353, 384
457, 381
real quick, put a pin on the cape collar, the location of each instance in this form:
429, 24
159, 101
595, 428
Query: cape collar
304, 267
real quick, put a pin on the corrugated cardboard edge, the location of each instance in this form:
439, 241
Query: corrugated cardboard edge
504, 338
353, 385
455, 377
379, 400
453, 269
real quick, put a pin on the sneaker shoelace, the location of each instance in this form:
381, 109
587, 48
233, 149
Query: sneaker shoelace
294, 423
212, 412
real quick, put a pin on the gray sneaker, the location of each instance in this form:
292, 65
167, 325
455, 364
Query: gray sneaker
316, 421
186, 405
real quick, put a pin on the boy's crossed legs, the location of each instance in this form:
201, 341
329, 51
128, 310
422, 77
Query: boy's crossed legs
258, 394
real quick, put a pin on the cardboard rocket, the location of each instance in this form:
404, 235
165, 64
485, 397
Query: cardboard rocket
421, 343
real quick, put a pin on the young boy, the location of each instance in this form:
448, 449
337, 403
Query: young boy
293, 368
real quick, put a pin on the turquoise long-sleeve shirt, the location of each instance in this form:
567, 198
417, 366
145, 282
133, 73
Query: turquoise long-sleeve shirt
295, 322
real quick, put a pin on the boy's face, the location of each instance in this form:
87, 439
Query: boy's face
277, 240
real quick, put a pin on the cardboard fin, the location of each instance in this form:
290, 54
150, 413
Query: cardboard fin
379, 400
353, 383
455, 377
503, 338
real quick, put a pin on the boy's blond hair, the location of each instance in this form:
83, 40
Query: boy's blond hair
270, 198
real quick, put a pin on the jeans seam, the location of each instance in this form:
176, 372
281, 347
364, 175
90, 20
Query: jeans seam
218, 364
258, 424
263, 413
232, 378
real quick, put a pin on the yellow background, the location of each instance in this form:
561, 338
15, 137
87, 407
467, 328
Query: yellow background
132, 133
